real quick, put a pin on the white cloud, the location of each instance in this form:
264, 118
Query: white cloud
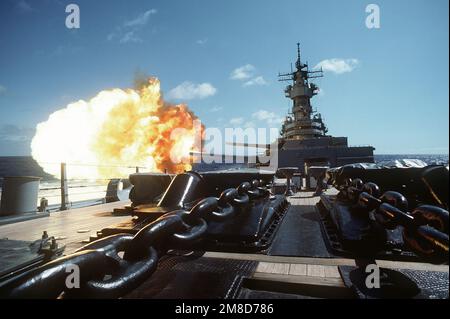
2, 90
259, 80
247, 73
263, 115
216, 109
236, 121
242, 73
127, 32
202, 41
270, 117
141, 19
249, 124
188, 91
338, 66
130, 37
241, 122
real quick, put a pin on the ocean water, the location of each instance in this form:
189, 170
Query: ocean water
81, 190
427, 158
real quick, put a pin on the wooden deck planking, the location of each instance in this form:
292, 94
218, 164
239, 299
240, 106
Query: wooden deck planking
309, 280
327, 261
315, 270
310, 270
298, 269
273, 268
75, 225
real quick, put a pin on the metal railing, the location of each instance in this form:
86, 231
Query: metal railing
96, 187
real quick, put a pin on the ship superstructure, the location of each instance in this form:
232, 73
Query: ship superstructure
304, 140
302, 123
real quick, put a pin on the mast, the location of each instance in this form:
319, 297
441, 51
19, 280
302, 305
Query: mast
303, 123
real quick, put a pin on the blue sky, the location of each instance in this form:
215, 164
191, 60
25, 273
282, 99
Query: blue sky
393, 95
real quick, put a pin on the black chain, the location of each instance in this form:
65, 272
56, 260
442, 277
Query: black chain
425, 229
112, 266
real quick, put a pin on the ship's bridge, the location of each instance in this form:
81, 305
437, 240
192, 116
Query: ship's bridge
299, 90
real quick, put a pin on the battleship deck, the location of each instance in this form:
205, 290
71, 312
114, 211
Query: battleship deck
296, 266
70, 227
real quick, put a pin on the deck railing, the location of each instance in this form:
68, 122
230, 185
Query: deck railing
64, 193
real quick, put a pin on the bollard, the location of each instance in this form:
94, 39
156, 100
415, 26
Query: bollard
43, 204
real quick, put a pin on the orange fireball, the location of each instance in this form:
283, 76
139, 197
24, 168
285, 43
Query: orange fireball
118, 128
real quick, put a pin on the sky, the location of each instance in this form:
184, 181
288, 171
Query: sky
386, 86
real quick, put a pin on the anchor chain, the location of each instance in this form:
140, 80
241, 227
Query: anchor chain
113, 266
425, 230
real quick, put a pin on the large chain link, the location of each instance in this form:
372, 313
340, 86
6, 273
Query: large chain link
425, 230
112, 266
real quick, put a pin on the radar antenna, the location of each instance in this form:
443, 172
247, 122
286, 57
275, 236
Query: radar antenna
302, 68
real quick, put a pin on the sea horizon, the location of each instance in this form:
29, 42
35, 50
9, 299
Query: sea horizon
26, 166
